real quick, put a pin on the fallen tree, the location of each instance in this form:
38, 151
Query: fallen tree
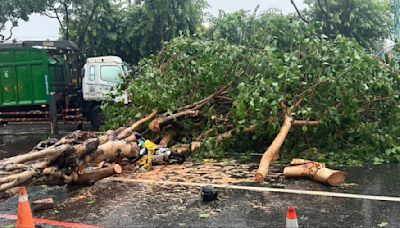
219, 97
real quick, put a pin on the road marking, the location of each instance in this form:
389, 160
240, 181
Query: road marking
51, 222
260, 189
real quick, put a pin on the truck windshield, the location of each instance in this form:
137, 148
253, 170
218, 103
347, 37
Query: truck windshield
110, 73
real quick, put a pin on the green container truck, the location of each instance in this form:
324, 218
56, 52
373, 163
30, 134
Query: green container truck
42, 81
28, 75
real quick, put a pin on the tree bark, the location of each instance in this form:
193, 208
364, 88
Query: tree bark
111, 151
92, 176
315, 171
330, 176
49, 152
136, 126
167, 139
43, 204
273, 149
159, 122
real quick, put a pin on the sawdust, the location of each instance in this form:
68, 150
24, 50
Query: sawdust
231, 172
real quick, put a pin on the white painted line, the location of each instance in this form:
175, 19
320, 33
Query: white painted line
260, 189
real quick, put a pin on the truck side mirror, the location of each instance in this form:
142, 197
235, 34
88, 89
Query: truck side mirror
82, 72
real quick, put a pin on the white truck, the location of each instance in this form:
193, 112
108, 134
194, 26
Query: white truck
101, 76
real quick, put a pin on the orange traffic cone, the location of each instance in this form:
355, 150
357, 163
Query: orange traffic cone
24, 219
291, 219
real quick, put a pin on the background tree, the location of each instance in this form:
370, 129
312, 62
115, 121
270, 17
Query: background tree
364, 20
136, 29
11, 11
77, 14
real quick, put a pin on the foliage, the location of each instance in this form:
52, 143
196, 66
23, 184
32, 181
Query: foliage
11, 11
364, 20
138, 29
337, 82
75, 16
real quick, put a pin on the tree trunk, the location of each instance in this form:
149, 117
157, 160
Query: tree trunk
272, 150
315, 171
111, 151
87, 146
17, 180
49, 152
91, 176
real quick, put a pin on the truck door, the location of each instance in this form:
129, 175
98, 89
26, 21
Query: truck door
89, 84
8, 86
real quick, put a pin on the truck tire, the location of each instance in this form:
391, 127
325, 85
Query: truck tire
96, 117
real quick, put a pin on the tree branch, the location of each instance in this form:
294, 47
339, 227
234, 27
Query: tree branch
306, 122
66, 20
83, 31
11, 33
299, 13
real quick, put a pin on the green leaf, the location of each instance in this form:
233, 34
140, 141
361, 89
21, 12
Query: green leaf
383, 224
138, 115
204, 215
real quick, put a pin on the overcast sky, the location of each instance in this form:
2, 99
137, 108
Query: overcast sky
40, 27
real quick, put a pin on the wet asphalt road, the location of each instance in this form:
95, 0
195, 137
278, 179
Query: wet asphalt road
143, 205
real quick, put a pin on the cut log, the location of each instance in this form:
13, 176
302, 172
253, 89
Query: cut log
136, 126
87, 146
330, 176
92, 176
315, 171
8, 193
167, 139
42, 204
17, 180
305, 170
161, 159
181, 149
54, 151
299, 161
273, 149
111, 151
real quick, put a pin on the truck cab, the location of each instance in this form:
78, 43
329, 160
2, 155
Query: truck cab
101, 76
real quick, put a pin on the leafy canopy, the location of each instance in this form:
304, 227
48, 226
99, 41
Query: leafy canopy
138, 29
364, 20
272, 59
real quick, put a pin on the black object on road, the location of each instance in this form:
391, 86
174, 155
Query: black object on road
209, 193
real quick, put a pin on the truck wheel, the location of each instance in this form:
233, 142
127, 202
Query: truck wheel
96, 118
